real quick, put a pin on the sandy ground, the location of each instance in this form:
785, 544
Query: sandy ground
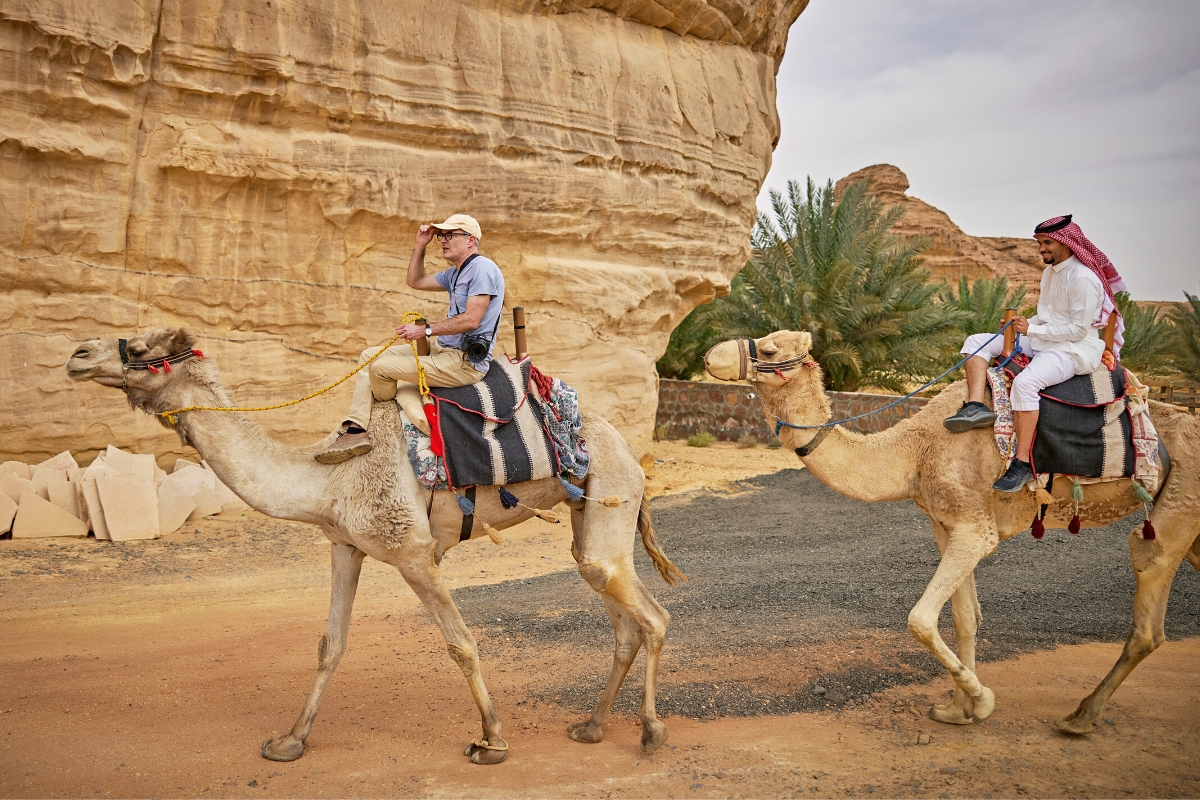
157, 669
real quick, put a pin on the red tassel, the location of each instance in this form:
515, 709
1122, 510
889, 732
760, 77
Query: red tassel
436, 445
197, 354
1073, 527
1148, 531
166, 366
1038, 529
152, 368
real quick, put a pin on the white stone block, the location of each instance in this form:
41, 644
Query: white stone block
91, 506
130, 507
43, 477
38, 518
13, 486
75, 474
18, 468
159, 476
63, 461
192, 480
183, 463
208, 502
173, 509
65, 496
139, 465
8, 510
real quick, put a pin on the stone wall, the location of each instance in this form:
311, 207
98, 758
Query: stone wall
256, 170
731, 411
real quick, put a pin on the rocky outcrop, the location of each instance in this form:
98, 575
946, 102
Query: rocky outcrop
953, 253
256, 169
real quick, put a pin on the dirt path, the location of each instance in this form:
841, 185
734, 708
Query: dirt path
156, 669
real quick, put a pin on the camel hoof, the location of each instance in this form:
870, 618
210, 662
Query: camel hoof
587, 732
484, 755
654, 736
1074, 725
985, 704
284, 748
951, 714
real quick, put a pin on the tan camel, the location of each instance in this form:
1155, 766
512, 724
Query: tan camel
374, 506
949, 477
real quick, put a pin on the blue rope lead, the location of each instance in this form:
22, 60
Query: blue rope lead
780, 424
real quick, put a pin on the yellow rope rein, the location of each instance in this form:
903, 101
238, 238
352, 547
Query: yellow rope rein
411, 316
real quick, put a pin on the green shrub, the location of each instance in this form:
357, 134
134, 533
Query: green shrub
701, 439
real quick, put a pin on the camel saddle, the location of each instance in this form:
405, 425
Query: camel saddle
490, 433
1085, 427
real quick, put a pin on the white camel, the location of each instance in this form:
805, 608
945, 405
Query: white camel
949, 477
374, 506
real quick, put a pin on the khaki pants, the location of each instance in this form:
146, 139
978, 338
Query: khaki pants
443, 367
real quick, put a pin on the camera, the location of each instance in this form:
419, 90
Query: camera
476, 347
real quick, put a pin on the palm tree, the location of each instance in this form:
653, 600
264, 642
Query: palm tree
982, 303
834, 268
1186, 317
684, 358
1150, 340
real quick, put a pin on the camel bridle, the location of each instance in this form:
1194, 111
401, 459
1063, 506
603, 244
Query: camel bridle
156, 365
748, 357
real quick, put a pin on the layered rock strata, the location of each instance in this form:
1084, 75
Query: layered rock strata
953, 253
256, 169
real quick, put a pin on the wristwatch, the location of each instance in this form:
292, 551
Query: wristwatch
428, 330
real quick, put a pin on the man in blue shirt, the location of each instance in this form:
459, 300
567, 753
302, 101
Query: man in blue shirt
476, 289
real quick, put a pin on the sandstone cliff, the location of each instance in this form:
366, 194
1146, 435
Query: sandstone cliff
953, 253
256, 169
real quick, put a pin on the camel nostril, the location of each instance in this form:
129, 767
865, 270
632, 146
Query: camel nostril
82, 352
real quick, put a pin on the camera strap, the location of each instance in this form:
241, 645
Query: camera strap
454, 300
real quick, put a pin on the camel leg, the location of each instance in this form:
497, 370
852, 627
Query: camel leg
628, 642
1154, 564
964, 604
963, 551
618, 582
347, 565
418, 568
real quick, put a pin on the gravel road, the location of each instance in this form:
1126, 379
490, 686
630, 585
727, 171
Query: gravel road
805, 594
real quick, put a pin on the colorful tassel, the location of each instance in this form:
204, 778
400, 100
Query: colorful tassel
1141, 494
1148, 531
197, 354
152, 368
1077, 493
1073, 526
1044, 498
1038, 529
574, 493
492, 533
610, 502
508, 499
468, 508
549, 516
166, 366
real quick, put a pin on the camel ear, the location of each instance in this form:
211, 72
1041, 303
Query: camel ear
804, 341
182, 341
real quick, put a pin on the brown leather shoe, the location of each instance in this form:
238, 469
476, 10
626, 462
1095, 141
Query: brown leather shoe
346, 446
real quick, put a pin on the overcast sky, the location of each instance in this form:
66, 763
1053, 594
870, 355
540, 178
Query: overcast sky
1005, 113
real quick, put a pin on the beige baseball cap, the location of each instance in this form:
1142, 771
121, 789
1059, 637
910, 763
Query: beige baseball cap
461, 222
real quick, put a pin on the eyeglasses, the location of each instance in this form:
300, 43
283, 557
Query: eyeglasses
446, 236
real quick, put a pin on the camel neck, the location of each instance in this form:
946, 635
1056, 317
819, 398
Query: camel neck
871, 467
279, 481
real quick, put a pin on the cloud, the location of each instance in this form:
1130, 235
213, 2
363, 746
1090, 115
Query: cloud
1005, 114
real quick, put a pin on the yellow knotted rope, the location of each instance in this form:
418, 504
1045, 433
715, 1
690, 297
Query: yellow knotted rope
411, 316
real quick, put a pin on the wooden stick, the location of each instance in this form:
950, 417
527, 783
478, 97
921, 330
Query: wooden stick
519, 332
423, 342
1010, 334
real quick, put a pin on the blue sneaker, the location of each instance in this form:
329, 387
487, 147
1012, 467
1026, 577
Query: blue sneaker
972, 415
1018, 474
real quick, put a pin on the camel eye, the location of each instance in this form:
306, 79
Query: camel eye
768, 352
138, 350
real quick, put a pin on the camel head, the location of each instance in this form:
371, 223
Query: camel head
772, 361
151, 391
781, 368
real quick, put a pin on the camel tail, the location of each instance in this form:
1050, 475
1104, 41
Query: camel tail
670, 573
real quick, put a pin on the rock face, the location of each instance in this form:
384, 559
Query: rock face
256, 170
953, 253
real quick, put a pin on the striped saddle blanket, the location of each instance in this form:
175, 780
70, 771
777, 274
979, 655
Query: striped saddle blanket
493, 432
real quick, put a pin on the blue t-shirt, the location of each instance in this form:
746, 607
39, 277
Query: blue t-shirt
481, 276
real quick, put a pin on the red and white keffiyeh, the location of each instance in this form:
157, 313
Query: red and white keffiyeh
1062, 229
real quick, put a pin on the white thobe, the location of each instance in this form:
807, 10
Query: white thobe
1068, 315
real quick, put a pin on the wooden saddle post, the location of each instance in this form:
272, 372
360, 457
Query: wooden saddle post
519, 332
1010, 334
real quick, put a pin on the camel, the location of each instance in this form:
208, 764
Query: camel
949, 477
374, 506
